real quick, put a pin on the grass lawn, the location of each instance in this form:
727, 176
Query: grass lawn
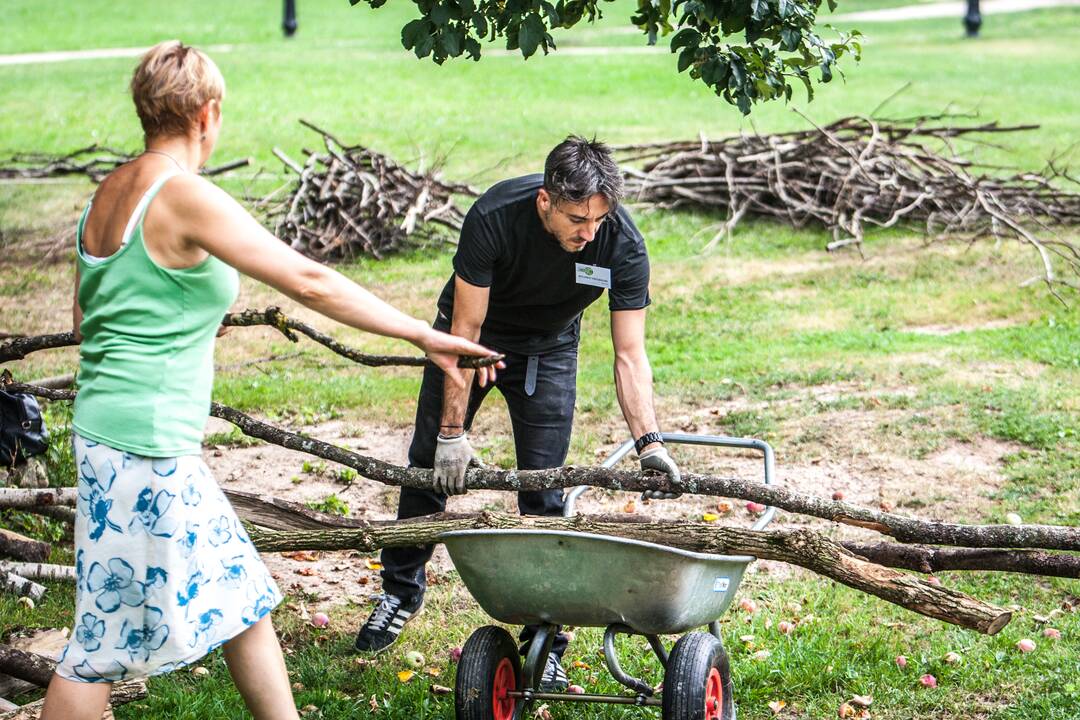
900, 363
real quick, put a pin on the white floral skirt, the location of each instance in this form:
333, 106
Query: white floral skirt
165, 571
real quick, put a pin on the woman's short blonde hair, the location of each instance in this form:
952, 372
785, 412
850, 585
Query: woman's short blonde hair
170, 86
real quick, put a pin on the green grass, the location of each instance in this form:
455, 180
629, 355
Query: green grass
768, 319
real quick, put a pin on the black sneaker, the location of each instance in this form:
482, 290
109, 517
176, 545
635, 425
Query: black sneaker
385, 622
554, 678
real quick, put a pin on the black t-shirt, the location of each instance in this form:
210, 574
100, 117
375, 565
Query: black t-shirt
538, 290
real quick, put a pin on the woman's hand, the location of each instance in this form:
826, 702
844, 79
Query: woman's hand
444, 349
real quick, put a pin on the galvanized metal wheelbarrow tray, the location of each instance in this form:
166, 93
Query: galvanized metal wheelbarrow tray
551, 578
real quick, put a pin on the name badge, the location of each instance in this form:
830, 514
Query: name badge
592, 275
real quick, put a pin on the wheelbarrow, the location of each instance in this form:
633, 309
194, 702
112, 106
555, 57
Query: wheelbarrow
629, 587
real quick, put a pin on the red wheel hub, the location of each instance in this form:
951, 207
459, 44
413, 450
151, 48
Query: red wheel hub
505, 682
714, 696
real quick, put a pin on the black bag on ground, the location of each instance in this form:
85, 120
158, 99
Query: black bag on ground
22, 429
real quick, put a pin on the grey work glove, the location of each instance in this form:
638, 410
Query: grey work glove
658, 459
453, 455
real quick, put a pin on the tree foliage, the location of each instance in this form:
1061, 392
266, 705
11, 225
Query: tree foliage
746, 51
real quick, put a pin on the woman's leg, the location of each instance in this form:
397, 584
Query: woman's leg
258, 669
70, 700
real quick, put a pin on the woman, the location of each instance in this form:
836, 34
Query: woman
165, 571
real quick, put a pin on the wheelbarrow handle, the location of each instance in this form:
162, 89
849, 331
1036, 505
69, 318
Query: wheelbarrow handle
691, 439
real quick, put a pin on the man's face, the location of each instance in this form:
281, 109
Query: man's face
574, 225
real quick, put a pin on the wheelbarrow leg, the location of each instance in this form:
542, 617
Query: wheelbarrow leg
535, 661
536, 657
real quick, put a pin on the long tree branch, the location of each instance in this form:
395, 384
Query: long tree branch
19, 347
800, 547
902, 528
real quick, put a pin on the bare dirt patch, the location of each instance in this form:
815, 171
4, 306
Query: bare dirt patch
955, 482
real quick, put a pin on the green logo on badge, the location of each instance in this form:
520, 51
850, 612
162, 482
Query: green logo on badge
588, 271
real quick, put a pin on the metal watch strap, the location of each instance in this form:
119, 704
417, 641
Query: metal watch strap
646, 439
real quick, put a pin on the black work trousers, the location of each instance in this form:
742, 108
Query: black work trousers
540, 391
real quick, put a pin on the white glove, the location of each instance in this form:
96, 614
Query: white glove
452, 456
658, 459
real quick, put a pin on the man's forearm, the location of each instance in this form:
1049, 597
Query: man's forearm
456, 398
634, 386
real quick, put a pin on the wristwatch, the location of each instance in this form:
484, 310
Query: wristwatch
647, 439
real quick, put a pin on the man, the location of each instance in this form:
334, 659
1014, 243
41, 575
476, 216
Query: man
535, 251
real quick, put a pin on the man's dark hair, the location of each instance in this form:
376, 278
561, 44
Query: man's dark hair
578, 168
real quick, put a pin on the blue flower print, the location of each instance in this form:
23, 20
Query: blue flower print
150, 513
241, 533
190, 591
235, 572
92, 500
164, 467
115, 586
205, 626
79, 568
114, 672
219, 531
90, 631
190, 495
263, 604
156, 577
141, 641
127, 460
189, 538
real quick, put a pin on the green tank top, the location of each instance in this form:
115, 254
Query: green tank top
146, 364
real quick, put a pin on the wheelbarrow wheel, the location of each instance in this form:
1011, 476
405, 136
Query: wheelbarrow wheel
489, 668
697, 683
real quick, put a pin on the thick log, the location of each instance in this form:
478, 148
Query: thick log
902, 528
12, 583
33, 498
26, 666
39, 571
20, 547
122, 693
801, 547
926, 559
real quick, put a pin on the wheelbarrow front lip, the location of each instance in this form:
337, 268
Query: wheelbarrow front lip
613, 538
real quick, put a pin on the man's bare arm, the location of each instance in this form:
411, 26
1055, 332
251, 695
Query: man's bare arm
470, 309
633, 374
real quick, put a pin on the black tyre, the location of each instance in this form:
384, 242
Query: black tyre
489, 668
697, 682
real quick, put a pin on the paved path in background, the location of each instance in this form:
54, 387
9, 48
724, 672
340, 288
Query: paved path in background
948, 9
955, 9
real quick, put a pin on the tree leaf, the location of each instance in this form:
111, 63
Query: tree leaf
686, 37
686, 58
440, 14
412, 32
530, 32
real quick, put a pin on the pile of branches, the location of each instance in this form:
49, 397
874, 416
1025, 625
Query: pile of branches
95, 161
859, 171
352, 201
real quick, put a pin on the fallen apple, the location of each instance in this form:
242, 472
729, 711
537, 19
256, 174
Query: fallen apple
1052, 633
1025, 645
952, 658
928, 681
575, 690
901, 661
1014, 519
414, 659
748, 605
785, 627
320, 619
455, 654
755, 508
723, 507
838, 495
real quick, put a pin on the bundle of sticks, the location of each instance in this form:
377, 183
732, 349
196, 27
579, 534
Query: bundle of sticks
859, 171
95, 161
352, 200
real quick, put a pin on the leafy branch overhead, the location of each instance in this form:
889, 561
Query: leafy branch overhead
747, 51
